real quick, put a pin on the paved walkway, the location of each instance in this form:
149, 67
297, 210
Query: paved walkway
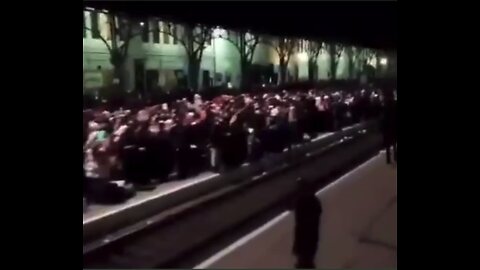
96, 211
358, 227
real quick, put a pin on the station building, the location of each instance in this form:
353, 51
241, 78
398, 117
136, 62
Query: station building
160, 61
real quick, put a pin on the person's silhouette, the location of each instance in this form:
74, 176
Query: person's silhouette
389, 126
308, 209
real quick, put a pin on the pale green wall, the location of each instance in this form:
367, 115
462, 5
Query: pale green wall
219, 57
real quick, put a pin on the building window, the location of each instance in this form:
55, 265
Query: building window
218, 77
84, 30
146, 32
156, 32
166, 36
209, 40
94, 20
175, 36
121, 28
104, 22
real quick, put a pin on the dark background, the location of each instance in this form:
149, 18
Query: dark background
369, 24
434, 231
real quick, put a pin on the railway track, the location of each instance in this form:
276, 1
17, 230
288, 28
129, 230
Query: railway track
176, 236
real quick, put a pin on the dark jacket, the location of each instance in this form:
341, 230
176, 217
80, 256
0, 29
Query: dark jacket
389, 121
307, 224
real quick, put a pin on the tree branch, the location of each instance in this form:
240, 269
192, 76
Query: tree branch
244, 47
169, 32
271, 45
231, 41
339, 50
102, 39
252, 50
126, 43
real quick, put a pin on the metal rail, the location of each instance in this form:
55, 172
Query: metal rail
161, 241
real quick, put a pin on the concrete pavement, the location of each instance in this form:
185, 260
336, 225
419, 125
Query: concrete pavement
358, 227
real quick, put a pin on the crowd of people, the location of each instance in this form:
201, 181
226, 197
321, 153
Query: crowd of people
137, 148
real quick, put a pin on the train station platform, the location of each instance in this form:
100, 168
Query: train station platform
96, 211
358, 227
101, 220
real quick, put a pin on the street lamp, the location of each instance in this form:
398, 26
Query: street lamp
383, 61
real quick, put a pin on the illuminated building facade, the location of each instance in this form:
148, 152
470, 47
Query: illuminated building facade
160, 61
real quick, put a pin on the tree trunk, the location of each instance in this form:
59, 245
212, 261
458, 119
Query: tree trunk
193, 71
117, 59
333, 67
333, 62
245, 74
378, 69
351, 64
351, 68
283, 71
311, 70
363, 68
333, 70
119, 78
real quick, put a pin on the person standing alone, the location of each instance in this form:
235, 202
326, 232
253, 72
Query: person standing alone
389, 126
308, 209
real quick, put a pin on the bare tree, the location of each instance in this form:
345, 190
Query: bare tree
313, 49
245, 42
284, 48
350, 53
335, 51
121, 31
363, 57
194, 38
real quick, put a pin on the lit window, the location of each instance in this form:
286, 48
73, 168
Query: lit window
104, 24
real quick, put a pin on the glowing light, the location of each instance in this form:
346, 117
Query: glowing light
383, 61
302, 56
263, 85
142, 23
229, 85
217, 32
